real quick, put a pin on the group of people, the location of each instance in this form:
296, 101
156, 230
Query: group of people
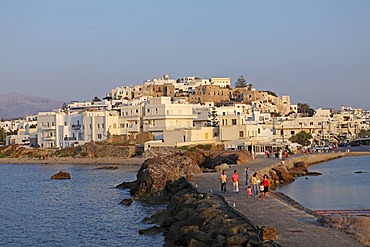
281, 154
255, 187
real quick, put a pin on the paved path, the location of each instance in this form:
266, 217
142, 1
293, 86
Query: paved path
294, 227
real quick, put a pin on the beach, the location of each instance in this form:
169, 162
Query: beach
74, 161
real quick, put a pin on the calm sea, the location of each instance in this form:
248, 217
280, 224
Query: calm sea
339, 186
83, 211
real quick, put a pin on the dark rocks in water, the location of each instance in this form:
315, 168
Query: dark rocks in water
361, 172
127, 201
107, 168
284, 176
154, 230
61, 175
314, 173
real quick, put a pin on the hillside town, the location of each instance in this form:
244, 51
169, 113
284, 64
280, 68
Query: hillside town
165, 112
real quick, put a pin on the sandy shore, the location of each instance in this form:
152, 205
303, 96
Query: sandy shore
73, 161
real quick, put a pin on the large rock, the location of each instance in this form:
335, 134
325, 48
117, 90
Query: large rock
155, 173
284, 176
61, 175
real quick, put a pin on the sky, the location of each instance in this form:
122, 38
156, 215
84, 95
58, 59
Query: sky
317, 52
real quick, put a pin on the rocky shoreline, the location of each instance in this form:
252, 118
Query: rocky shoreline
203, 219
158, 182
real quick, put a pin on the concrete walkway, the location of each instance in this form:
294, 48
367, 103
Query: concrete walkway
294, 227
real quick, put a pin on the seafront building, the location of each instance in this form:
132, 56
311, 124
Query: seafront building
187, 111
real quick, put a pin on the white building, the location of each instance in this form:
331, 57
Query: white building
161, 114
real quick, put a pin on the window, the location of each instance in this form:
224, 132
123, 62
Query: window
90, 126
311, 123
292, 132
233, 121
99, 136
148, 110
102, 125
241, 134
98, 126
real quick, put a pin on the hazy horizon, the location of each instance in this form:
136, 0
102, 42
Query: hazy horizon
316, 52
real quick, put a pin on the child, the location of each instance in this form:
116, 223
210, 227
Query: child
262, 194
249, 191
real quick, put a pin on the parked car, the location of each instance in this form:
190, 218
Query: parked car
34, 145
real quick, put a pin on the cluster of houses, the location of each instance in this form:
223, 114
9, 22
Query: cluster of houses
186, 111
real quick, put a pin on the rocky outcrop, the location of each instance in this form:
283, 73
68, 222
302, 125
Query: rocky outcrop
155, 173
284, 176
194, 219
98, 150
61, 175
89, 150
358, 226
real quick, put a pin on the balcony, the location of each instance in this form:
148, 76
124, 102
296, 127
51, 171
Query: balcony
47, 127
70, 138
76, 126
49, 138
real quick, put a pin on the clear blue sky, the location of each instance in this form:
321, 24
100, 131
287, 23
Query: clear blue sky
318, 52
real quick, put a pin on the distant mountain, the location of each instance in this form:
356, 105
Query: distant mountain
16, 105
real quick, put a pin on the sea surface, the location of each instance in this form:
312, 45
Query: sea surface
339, 186
82, 211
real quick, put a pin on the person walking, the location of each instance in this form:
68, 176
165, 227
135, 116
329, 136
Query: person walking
255, 183
235, 178
247, 172
262, 193
223, 181
266, 184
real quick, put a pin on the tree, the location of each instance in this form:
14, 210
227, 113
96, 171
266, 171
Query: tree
302, 138
271, 93
305, 110
65, 107
241, 82
96, 99
2, 135
364, 133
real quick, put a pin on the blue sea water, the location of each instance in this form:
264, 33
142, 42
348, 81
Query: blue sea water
339, 186
82, 211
